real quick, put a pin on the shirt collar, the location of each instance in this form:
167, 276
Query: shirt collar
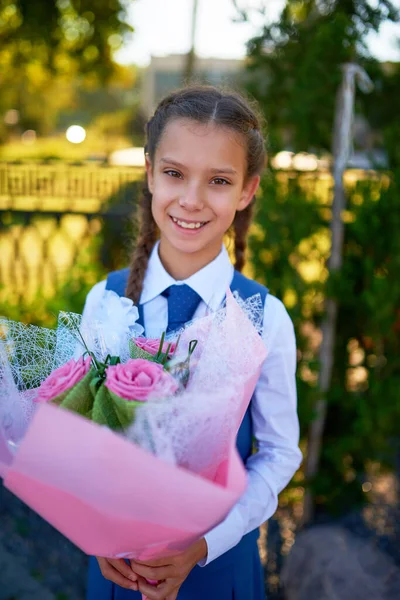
211, 282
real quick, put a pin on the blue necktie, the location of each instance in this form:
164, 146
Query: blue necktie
182, 303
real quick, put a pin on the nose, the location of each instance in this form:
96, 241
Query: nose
192, 198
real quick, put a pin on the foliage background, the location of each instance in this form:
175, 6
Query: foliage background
294, 71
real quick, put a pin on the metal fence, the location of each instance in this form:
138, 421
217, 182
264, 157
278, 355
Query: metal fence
38, 183
50, 214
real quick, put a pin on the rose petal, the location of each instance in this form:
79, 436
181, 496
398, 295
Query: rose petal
138, 379
143, 380
63, 378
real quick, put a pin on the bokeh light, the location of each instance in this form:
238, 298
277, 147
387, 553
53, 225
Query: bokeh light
11, 117
29, 137
75, 134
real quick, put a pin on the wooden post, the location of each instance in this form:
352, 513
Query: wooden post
191, 56
342, 143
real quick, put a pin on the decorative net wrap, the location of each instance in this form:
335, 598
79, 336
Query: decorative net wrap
192, 428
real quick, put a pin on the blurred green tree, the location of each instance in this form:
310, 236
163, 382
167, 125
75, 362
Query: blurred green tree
293, 65
290, 246
294, 72
56, 33
381, 108
45, 45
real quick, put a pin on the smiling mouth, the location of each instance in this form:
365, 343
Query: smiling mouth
189, 224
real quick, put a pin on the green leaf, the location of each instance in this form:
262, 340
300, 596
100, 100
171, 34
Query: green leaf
104, 412
160, 347
78, 399
136, 352
114, 360
160, 358
112, 410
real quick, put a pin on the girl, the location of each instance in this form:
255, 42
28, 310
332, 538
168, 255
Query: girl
204, 157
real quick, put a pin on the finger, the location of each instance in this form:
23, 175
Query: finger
159, 592
110, 573
120, 565
156, 562
157, 573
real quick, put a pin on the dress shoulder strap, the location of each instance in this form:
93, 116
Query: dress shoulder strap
117, 281
248, 287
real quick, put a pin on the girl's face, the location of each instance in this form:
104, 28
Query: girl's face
197, 180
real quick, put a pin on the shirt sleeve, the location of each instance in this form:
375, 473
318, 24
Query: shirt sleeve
276, 431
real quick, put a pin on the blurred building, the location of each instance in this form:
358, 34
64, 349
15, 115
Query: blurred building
166, 73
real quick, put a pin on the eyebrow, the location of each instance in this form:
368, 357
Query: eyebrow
171, 161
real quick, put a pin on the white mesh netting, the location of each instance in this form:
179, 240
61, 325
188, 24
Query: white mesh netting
195, 428
192, 428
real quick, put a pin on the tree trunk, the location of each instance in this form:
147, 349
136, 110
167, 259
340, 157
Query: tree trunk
342, 141
191, 56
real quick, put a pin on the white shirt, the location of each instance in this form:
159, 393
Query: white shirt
273, 407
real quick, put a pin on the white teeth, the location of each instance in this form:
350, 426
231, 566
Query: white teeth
187, 225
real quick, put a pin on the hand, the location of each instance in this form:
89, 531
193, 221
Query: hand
119, 572
171, 572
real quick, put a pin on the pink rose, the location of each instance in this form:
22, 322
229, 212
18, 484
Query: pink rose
151, 346
63, 378
137, 379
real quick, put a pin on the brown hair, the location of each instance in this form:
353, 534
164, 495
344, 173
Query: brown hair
203, 104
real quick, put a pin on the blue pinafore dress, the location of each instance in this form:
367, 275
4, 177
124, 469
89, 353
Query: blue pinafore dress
237, 574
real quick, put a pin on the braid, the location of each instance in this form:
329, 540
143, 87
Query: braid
140, 257
241, 226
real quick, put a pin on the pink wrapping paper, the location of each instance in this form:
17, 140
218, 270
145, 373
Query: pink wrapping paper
112, 498
6, 457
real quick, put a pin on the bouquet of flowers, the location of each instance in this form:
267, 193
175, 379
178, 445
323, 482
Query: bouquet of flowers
97, 424
109, 392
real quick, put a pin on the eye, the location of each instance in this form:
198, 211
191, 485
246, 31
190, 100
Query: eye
173, 173
220, 181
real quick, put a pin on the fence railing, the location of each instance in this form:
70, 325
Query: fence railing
44, 183
50, 214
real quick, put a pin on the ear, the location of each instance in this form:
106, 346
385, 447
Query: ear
249, 189
149, 171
